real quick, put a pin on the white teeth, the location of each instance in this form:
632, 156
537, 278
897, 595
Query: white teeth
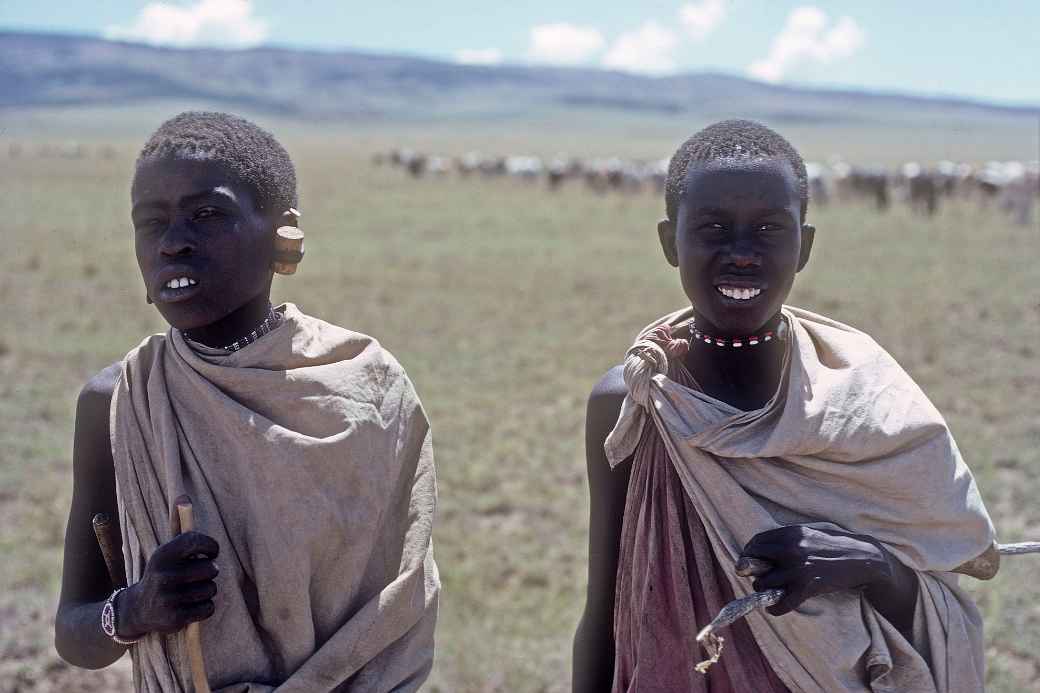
180, 283
739, 294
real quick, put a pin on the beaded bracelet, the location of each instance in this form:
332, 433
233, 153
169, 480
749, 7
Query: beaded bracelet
108, 619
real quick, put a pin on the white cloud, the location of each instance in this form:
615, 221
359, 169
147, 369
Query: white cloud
806, 38
701, 18
228, 23
650, 49
478, 56
564, 44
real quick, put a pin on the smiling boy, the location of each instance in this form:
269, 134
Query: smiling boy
302, 445
742, 427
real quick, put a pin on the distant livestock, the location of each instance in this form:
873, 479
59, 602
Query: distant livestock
1011, 186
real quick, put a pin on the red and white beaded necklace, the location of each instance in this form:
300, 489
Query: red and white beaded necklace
735, 342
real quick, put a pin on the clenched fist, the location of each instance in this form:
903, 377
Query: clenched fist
807, 562
177, 588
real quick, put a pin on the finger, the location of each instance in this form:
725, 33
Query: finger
752, 567
177, 617
189, 571
195, 593
767, 551
190, 544
780, 545
785, 578
197, 570
198, 612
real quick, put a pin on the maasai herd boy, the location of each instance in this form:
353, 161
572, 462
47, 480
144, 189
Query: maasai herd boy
302, 446
742, 427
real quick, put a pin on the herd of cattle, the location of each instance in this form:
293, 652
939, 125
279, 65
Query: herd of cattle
1012, 186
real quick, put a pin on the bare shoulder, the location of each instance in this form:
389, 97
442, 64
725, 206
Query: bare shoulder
601, 415
606, 398
101, 386
92, 414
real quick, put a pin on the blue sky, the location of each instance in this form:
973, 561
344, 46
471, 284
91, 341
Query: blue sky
984, 50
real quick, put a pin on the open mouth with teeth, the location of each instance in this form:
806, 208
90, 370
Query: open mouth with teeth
179, 288
737, 293
180, 283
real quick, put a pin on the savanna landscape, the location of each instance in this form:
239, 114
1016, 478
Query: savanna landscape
506, 302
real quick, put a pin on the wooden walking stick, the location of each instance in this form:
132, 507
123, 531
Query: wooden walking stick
105, 533
192, 633
983, 567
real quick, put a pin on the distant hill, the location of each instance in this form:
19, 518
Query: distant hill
52, 70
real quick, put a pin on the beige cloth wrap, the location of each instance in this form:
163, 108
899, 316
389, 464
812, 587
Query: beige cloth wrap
308, 458
848, 441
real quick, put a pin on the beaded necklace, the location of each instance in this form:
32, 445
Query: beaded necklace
736, 342
269, 323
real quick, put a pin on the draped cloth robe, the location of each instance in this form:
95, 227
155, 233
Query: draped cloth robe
308, 458
847, 442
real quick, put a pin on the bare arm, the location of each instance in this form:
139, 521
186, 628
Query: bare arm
85, 583
594, 640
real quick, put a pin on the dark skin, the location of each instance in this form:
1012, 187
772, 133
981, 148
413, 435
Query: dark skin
739, 227
194, 220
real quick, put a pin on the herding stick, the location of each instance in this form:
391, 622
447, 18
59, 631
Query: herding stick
103, 530
192, 633
984, 567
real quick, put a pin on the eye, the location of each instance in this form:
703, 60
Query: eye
207, 213
713, 226
148, 224
769, 228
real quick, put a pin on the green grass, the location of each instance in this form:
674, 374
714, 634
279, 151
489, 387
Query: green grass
505, 303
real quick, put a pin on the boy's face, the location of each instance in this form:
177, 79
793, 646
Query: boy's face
194, 220
738, 242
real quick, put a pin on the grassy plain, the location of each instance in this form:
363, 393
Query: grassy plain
505, 303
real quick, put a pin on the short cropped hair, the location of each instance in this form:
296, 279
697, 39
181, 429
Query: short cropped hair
251, 153
730, 140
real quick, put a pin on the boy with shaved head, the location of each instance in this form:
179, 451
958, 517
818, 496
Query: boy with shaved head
302, 446
739, 427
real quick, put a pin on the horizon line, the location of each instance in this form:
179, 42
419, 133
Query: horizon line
890, 92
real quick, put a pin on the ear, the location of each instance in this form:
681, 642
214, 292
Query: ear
808, 234
666, 232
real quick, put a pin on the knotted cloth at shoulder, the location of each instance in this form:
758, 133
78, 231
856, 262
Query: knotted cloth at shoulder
643, 361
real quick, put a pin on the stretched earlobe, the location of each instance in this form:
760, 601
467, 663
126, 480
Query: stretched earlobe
666, 232
808, 235
288, 244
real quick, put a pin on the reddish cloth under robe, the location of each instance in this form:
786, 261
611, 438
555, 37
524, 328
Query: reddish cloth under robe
670, 585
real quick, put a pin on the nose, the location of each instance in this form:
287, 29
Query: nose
177, 241
745, 260
743, 255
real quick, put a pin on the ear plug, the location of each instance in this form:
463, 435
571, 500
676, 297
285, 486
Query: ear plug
288, 246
